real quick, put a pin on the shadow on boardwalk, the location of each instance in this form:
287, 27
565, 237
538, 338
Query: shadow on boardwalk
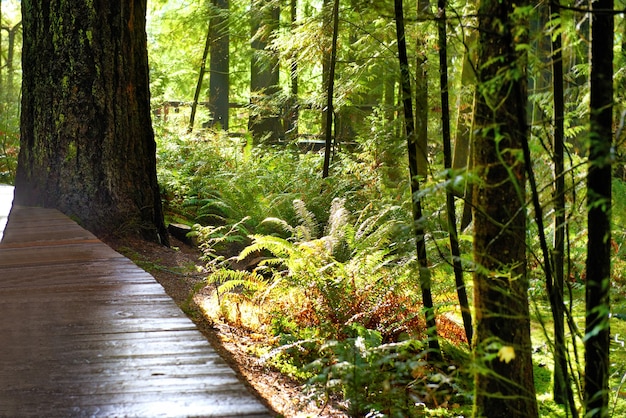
87, 333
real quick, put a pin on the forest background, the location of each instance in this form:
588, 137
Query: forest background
317, 250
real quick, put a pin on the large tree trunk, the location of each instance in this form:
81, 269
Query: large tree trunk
598, 266
87, 145
502, 348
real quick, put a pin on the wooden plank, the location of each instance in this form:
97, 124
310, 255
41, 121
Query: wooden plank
87, 333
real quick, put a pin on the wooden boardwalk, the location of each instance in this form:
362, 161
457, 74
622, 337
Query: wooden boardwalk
85, 332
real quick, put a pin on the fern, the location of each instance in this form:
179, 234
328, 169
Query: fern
308, 223
212, 239
242, 282
280, 247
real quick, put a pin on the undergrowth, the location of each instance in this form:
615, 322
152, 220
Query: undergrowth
325, 269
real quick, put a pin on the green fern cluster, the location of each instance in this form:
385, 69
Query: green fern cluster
327, 281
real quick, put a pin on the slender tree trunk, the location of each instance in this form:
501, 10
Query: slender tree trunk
562, 387
425, 281
330, 91
327, 23
196, 96
447, 157
502, 349
292, 115
598, 267
12, 33
87, 145
421, 89
219, 67
462, 159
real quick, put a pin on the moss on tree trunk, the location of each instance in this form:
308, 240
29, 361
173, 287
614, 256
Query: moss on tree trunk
87, 144
504, 376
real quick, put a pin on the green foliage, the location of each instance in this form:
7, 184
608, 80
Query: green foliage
10, 74
376, 379
212, 179
340, 299
349, 275
9, 140
332, 259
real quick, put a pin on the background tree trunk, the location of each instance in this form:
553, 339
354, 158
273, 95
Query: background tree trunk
455, 252
330, 92
264, 122
292, 114
420, 242
598, 267
562, 388
219, 65
87, 145
504, 384
424, 14
201, 72
462, 155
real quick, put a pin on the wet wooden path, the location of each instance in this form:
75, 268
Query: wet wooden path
84, 332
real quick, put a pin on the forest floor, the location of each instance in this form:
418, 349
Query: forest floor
175, 269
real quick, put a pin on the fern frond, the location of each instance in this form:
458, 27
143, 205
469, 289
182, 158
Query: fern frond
281, 224
377, 231
232, 280
370, 223
339, 217
225, 275
280, 247
306, 218
250, 286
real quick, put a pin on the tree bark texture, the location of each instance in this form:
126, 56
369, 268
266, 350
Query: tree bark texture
598, 266
87, 144
502, 348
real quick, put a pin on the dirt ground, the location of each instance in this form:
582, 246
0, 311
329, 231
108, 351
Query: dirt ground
173, 268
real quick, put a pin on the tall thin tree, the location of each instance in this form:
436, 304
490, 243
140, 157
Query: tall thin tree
447, 157
196, 96
330, 91
424, 272
598, 266
562, 388
425, 15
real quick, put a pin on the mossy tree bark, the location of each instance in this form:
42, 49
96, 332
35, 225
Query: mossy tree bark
87, 144
502, 348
